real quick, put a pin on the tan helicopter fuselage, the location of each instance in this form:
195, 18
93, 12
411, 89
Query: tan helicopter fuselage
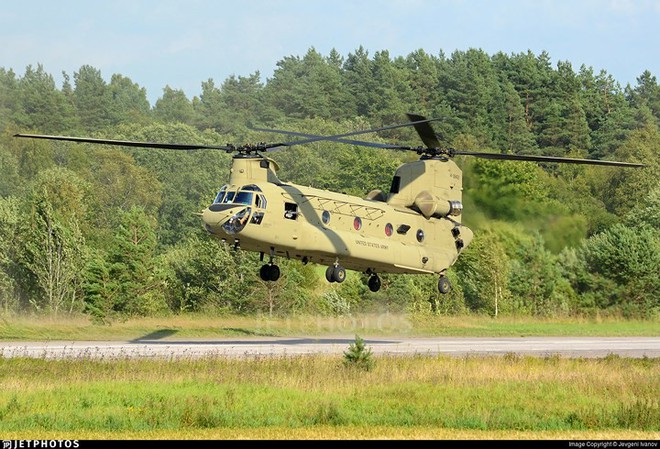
415, 228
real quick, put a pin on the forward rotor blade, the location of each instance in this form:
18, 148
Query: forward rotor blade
128, 143
531, 158
228, 148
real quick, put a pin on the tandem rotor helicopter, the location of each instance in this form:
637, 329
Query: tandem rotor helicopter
414, 228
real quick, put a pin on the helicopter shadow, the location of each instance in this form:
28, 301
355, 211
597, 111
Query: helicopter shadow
156, 335
165, 333
278, 342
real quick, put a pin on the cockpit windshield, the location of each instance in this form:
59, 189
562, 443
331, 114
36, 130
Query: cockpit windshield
229, 197
244, 198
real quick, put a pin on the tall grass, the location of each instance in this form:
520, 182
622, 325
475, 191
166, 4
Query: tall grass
404, 395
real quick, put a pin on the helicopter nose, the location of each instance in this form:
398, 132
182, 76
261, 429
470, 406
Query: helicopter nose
225, 218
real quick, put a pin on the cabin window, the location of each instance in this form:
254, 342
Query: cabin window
325, 217
402, 229
357, 223
396, 184
389, 229
420, 235
291, 211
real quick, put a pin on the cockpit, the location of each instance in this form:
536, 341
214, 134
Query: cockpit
249, 195
244, 195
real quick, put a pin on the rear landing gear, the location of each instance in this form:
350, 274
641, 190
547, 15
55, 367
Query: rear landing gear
269, 272
374, 283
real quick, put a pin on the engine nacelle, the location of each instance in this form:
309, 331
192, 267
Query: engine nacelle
432, 206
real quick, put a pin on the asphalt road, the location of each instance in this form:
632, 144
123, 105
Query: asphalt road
585, 347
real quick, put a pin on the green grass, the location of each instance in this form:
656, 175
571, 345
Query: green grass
192, 326
318, 397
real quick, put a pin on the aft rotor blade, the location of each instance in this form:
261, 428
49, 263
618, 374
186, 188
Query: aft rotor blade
316, 138
128, 143
425, 131
531, 158
421, 124
337, 139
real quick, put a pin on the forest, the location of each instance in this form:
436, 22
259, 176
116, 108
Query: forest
112, 232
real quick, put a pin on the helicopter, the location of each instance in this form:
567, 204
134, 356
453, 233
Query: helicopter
415, 228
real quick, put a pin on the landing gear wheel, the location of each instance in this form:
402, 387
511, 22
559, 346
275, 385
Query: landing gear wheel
444, 285
269, 272
329, 273
374, 283
339, 274
335, 273
264, 272
274, 273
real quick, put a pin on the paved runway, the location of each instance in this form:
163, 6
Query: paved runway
587, 347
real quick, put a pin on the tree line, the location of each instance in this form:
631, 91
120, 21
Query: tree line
112, 232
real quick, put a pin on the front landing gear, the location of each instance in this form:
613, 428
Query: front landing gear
443, 284
335, 273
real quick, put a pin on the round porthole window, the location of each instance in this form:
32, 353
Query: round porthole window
389, 229
357, 223
325, 217
420, 235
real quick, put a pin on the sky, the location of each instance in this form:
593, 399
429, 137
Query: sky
181, 44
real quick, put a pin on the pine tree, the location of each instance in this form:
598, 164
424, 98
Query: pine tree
358, 355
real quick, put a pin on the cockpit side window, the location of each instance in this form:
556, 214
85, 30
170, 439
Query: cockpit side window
220, 195
261, 202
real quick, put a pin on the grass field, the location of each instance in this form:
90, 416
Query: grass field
319, 397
